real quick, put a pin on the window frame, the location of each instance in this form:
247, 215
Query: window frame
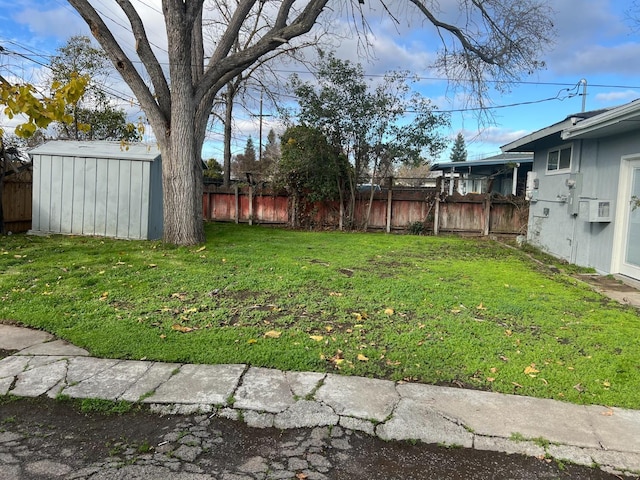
558, 151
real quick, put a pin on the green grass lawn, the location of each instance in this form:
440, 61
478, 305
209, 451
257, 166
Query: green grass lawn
440, 310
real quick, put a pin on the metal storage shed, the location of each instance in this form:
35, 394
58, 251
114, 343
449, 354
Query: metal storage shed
97, 188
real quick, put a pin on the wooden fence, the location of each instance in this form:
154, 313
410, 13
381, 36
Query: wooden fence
391, 210
16, 202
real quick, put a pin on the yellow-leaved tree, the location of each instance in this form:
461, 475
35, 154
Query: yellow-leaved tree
39, 110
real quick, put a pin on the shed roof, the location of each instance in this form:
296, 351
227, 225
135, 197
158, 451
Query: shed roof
98, 149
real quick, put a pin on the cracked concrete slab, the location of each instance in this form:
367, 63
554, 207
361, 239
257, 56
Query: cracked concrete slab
352, 396
500, 415
306, 413
12, 366
82, 368
18, 338
56, 347
264, 389
212, 384
498, 444
413, 420
618, 460
149, 381
304, 384
37, 381
5, 385
110, 383
617, 428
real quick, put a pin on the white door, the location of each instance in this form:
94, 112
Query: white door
630, 264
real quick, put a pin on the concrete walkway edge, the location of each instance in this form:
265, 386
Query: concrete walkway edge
584, 435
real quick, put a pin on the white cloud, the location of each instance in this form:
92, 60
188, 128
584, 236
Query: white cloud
493, 136
60, 22
621, 59
617, 97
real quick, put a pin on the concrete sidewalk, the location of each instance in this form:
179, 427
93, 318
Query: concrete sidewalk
585, 435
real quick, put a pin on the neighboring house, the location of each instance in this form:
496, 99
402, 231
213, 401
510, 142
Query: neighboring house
97, 188
584, 189
504, 174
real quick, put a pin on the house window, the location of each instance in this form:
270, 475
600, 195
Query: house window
559, 159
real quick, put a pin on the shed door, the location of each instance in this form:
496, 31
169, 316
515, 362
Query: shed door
630, 265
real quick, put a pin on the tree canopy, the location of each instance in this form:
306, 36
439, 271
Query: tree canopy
92, 116
491, 40
376, 127
459, 150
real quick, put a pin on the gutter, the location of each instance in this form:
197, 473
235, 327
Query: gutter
606, 119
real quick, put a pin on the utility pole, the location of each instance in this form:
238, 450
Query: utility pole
260, 134
260, 115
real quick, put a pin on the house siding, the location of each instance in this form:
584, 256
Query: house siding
564, 230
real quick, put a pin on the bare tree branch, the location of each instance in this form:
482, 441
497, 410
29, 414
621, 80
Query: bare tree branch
156, 114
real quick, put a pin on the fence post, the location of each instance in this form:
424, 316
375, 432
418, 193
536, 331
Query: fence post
487, 214
250, 204
237, 195
436, 208
389, 204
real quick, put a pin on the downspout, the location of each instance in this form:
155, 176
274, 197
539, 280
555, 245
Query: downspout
514, 183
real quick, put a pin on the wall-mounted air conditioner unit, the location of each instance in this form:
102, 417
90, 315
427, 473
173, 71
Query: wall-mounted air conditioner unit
600, 210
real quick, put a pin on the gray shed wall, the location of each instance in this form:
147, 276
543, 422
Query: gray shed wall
562, 232
112, 197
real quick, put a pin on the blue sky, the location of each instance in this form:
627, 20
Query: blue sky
594, 41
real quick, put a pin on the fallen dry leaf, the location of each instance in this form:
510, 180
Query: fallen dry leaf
362, 358
301, 476
251, 341
388, 311
531, 369
272, 334
201, 248
508, 333
491, 379
578, 387
607, 413
317, 338
481, 307
335, 294
104, 295
455, 310
181, 328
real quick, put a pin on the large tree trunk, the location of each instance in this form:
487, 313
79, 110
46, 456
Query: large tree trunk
182, 189
182, 145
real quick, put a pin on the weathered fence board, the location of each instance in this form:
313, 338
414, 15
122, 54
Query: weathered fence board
16, 204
